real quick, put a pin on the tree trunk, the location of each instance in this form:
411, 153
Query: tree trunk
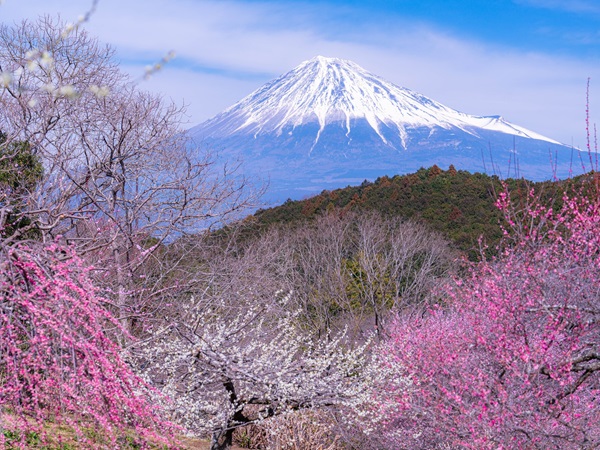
222, 438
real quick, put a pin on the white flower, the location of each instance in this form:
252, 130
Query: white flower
67, 91
49, 87
68, 30
33, 65
32, 54
99, 91
5, 79
46, 60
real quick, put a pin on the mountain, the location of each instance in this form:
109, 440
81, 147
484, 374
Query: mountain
329, 123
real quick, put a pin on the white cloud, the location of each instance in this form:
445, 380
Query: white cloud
234, 47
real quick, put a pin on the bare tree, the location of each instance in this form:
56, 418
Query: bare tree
397, 264
318, 274
346, 270
357, 270
120, 179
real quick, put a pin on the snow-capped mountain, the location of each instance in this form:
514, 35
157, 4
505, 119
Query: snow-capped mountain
328, 123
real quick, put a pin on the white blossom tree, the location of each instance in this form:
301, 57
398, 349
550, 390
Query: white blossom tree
226, 374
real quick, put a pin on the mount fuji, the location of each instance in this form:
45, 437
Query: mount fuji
329, 123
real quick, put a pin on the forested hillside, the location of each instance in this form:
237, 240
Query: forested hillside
458, 204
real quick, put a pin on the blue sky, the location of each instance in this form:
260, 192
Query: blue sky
527, 60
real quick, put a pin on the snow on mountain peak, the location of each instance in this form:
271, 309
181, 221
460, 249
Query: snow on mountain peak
330, 90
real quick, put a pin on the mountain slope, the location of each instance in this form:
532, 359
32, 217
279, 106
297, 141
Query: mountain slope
328, 123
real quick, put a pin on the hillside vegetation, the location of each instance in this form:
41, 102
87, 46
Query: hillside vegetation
456, 203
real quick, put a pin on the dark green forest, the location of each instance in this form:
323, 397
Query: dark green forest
456, 203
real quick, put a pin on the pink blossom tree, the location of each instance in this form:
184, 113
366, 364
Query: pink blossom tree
58, 363
513, 359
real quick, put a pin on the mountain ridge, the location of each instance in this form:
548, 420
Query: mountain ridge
318, 89
329, 122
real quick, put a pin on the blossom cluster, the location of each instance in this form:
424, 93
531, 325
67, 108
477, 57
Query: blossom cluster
224, 372
513, 361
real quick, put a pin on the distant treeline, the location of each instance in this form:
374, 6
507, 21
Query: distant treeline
459, 204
